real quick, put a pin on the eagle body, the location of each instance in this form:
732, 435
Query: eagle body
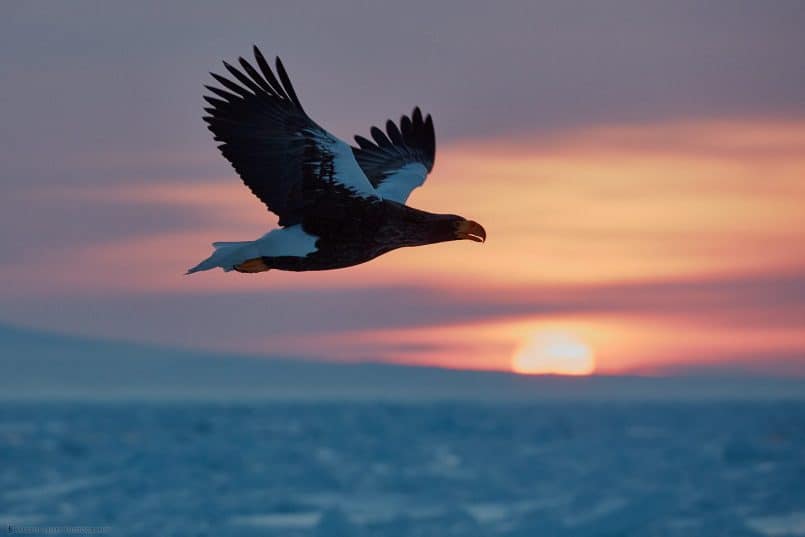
338, 205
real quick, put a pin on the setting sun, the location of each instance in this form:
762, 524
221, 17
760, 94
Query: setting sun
556, 353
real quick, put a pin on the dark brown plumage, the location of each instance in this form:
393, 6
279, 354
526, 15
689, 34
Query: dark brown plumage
338, 205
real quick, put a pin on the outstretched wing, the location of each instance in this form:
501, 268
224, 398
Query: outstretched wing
282, 155
399, 159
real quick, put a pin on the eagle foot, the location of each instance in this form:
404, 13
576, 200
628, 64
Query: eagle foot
253, 266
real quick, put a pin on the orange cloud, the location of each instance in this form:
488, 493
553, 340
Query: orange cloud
622, 203
592, 205
619, 342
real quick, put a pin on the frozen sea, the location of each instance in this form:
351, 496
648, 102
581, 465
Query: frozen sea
410, 469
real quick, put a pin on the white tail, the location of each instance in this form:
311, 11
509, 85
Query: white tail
286, 241
226, 256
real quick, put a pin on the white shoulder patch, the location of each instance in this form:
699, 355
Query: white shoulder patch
346, 169
399, 184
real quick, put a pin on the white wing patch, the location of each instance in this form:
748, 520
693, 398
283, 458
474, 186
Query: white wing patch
399, 184
347, 172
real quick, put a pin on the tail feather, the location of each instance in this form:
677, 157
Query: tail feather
247, 256
225, 256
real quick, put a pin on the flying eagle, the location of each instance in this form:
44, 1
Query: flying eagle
338, 205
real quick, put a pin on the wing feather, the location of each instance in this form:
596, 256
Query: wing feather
267, 73
286, 84
286, 159
400, 159
243, 79
380, 138
394, 133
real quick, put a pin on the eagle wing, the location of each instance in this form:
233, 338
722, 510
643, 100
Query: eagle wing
400, 159
288, 161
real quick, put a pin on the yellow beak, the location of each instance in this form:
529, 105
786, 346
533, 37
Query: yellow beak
471, 230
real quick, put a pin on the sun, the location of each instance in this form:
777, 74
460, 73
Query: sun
557, 353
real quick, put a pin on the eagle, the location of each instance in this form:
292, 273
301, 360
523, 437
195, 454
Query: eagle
338, 205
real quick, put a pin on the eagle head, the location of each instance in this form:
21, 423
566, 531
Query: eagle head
442, 228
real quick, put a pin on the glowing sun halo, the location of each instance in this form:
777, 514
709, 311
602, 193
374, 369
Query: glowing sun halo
555, 353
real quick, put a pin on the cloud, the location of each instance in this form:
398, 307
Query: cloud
277, 321
656, 242
91, 85
642, 201
628, 161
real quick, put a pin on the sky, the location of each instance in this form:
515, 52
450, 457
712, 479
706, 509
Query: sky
639, 168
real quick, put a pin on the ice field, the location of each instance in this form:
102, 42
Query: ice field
394, 470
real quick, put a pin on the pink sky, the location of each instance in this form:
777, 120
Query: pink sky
642, 202
569, 215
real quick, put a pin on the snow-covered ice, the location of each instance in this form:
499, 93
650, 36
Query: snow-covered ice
382, 469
